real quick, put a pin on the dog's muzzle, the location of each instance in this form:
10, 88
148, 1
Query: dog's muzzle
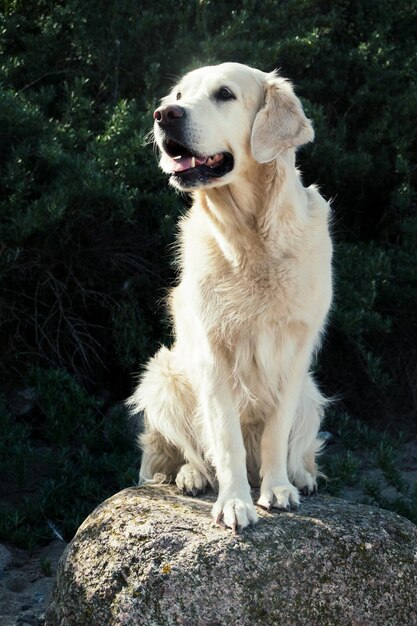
188, 168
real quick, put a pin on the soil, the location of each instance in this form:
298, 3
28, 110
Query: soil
26, 582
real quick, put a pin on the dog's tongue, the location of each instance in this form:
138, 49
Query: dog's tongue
182, 163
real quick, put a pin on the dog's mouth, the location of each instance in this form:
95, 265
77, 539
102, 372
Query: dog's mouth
193, 168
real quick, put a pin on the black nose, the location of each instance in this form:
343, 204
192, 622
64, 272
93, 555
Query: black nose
168, 114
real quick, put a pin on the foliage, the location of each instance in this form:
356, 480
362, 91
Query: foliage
87, 219
367, 467
68, 457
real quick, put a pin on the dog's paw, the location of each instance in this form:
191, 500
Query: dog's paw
284, 497
236, 513
306, 483
190, 481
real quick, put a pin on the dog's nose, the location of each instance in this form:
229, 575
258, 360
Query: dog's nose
167, 114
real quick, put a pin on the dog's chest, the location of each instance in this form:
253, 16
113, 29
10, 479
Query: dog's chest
262, 284
261, 293
261, 359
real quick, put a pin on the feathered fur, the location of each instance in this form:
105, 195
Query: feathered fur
233, 401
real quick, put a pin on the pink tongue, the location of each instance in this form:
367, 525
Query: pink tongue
180, 164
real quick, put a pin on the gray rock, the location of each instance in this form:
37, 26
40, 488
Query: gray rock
5, 557
151, 556
27, 618
22, 401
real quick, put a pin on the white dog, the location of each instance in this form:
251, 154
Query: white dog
233, 403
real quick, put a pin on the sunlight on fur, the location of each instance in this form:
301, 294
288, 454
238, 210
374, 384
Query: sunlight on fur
233, 404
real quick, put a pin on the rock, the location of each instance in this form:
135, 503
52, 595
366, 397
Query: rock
151, 556
327, 437
27, 618
5, 557
22, 401
15, 583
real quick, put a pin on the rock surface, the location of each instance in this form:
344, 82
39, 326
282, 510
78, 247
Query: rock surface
150, 556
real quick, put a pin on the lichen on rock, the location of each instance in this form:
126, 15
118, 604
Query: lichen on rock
151, 556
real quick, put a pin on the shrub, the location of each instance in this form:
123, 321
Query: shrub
87, 218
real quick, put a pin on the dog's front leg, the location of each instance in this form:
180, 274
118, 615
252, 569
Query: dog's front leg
227, 451
276, 489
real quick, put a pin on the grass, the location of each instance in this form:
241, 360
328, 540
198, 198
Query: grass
46, 566
370, 462
343, 469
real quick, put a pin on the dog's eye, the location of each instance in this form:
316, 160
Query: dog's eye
179, 95
224, 93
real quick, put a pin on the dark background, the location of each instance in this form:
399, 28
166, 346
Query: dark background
87, 219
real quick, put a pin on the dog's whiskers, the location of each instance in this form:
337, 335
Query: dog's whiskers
148, 138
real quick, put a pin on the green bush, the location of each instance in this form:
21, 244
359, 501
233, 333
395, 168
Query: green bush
87, 219
69, 456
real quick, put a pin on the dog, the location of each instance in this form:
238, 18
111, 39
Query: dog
232, 403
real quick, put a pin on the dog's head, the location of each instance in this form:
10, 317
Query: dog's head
219, 117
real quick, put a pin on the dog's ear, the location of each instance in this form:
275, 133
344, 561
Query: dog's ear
281, 123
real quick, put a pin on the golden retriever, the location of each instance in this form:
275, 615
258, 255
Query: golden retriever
233, 403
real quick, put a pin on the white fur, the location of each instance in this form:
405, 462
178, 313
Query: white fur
233, 403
